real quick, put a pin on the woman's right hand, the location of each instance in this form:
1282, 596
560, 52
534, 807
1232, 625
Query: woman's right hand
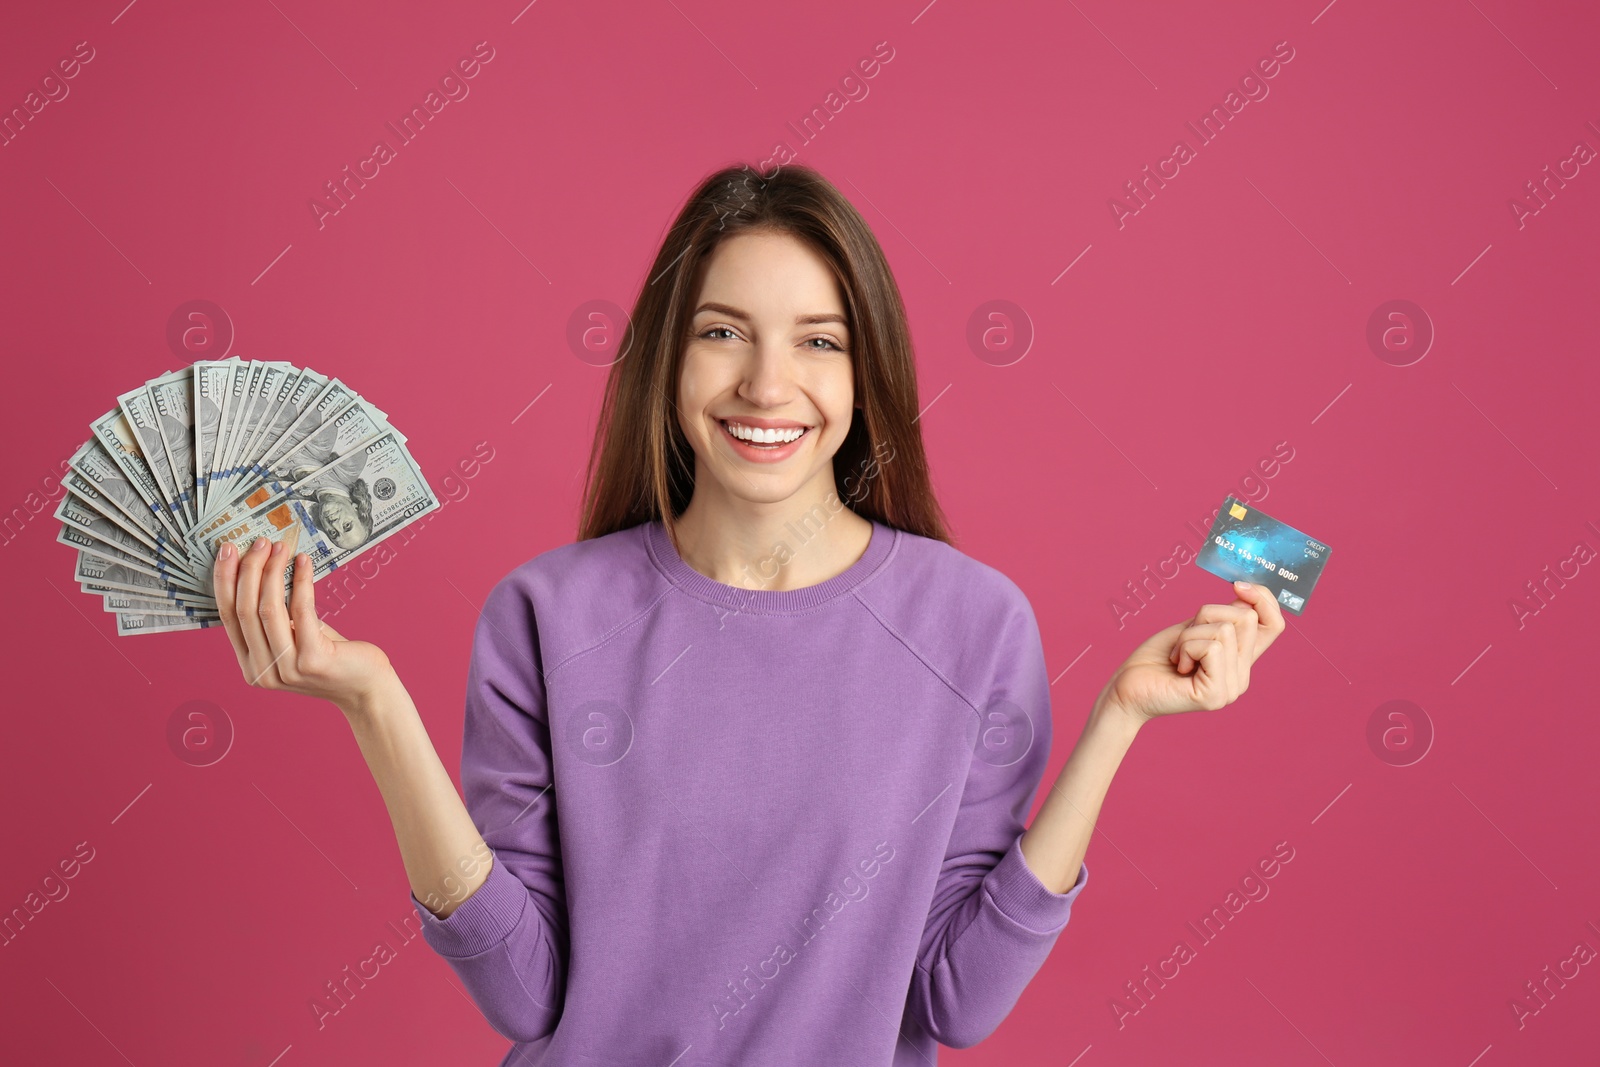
289, 647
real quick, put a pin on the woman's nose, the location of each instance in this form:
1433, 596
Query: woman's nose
768, 376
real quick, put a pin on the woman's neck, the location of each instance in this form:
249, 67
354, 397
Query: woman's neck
785, 545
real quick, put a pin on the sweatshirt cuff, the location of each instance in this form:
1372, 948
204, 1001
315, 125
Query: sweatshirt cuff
1025, 900
480, 922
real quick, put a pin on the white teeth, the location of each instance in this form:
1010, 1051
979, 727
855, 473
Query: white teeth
766, 437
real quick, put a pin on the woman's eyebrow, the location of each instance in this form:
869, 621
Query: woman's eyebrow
735, 313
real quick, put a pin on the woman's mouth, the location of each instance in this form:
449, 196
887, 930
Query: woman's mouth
767, 446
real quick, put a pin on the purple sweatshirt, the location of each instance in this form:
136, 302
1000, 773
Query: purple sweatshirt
737, 827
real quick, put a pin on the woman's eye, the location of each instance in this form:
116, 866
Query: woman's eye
825, 341
714, 329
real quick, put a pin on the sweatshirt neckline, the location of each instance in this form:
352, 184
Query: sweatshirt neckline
768, 601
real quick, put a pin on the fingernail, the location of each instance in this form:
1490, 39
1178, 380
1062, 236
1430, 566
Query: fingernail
260, 542
1241, 585
277, 548
226, 551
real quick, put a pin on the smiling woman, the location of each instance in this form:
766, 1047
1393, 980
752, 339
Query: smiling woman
680, 726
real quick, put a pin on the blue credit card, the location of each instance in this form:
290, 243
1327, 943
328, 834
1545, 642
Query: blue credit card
1250, 545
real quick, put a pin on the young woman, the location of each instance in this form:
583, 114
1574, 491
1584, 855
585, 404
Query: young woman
746, 765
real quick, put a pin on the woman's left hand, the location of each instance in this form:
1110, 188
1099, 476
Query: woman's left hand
1200, 665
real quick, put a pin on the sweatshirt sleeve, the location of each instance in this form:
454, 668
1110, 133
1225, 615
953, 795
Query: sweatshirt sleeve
992, 922
508, 940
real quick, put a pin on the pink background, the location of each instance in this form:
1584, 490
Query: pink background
1228, 315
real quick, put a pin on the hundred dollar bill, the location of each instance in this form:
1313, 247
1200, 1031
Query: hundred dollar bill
211, 379
173, 397
232, 398
341, 509
330, 398
325, 430
333, 399
252, 412
263, 387
139, 409
353, 426
239, 399
132, 623
91, 532
92, 469
113, 434
277, 382
369, 495
78, 486
308, 399
295, 400
83, 530
133, 602
96, 575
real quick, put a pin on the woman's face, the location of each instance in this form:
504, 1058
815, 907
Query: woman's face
768, 343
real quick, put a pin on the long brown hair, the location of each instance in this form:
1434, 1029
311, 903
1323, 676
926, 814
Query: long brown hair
641, 467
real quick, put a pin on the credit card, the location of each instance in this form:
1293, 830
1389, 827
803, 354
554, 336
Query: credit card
1250, 545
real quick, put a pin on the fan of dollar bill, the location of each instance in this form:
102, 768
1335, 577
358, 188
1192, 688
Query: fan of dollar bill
229, 450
